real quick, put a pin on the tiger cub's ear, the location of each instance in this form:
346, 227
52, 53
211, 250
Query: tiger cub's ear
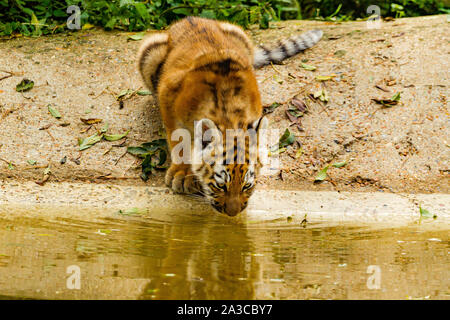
151, 57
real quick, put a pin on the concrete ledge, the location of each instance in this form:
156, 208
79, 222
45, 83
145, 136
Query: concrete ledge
101, 200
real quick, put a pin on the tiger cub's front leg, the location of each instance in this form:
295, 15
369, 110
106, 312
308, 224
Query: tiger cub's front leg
180, 178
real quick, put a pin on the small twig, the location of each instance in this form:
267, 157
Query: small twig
117, 161
323, 106
24, 96
107, 151
36, 167
10, 74
48, 132
382, 88
102, 92
46, 126
267, 78
107, 176
6, 161
87, 129
273, 67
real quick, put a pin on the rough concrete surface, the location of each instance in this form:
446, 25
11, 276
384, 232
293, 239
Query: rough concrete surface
96, 201
404, 148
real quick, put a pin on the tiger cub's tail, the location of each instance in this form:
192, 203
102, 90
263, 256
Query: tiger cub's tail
286, 48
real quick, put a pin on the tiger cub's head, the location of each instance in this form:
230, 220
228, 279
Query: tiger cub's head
227, 164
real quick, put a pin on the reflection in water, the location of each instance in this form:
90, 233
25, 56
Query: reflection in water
203, 261
215, 257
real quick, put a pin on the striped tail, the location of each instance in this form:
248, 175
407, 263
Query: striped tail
286, 48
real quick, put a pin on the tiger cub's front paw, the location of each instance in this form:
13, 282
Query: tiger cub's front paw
181, 179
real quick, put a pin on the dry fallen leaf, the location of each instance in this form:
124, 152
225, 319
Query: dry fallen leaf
91, 121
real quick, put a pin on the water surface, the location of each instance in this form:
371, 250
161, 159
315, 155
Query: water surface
210, 256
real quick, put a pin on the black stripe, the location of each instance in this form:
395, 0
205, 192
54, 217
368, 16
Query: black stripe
221, 67
155, 77
266, 51
147, 51
296, 47
304, 46
191, 20
283, 48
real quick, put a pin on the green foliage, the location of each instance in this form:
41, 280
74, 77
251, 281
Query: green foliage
38, 17
335, 10
34, 18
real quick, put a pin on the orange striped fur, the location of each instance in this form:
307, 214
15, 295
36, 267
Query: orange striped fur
204, 69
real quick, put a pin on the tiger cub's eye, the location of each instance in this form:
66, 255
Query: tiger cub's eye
247, 186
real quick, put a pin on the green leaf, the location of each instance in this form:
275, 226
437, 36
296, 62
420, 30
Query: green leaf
295, 112
340, 53
286, 139
55, 113
322, 174
324, 78
142, 10
339, 164
132, 212
104, 128
322, 94
208, 14
299, 153
25, 85
138, 151
111, 23
89, 141
87, 26
10, 166
278, 151
308, 67
426, 214
34, 21
104, 231
389, 102
123, 93
148, 151
137, 36
265, 20
271, 108
155, 144
144, 93
31, 162
396, 97
115, 137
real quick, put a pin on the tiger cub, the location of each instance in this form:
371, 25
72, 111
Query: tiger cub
203, 71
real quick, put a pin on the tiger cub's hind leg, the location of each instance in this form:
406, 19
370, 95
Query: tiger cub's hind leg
151, 57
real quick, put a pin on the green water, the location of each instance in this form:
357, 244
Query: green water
215, 257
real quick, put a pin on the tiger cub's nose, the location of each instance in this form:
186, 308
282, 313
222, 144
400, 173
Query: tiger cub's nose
232, 207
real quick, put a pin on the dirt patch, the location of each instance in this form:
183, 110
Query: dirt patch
404, 148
